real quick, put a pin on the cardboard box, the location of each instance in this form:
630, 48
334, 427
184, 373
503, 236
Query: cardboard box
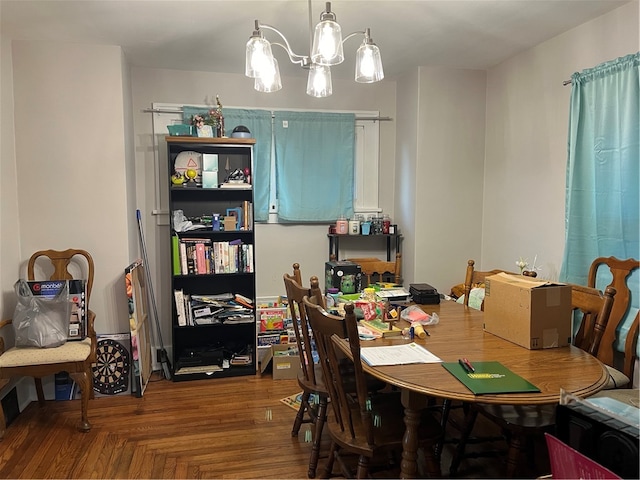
285, 366
532, 313
343, 275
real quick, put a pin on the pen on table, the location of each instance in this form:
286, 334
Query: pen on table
464, 365
468, 364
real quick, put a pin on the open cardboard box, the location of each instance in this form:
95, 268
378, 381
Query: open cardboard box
532, 313
283, 366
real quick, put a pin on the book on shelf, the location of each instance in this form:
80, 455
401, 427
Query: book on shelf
236, 186
386, 329
200, 256
180, 308
175, 254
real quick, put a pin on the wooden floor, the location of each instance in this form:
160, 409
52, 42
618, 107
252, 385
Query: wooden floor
222, 428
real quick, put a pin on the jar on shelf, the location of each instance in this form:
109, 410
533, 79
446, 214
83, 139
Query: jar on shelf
386, 223
365, 227
376, 225
342, 226
354, 226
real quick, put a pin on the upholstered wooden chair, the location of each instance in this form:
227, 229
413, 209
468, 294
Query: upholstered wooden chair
619, 363
375, 270
369, 425
74, 357
310, 378
521, 422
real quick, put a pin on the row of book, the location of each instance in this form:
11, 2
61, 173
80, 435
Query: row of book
223, 308
200, 256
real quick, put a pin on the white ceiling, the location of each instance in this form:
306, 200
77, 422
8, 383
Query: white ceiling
210, 35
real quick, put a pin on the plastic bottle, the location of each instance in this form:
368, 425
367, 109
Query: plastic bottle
331, 297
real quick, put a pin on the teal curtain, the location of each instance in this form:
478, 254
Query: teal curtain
314, 165
602, 200
259, 124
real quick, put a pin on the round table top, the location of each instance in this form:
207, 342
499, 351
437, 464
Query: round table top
460, 333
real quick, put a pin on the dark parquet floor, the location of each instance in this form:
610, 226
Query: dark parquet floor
219, 428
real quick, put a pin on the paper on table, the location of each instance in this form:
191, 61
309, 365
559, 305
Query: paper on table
397, 355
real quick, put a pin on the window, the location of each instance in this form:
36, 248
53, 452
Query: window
366, 150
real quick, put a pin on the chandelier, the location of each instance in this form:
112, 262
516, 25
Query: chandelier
326, 51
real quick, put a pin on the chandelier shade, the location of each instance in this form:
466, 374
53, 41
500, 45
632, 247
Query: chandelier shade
368, 61
327, 40
319, 81
269, 80
326, 50
258, 55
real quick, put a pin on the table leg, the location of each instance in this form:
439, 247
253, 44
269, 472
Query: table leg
413, 404
409, 465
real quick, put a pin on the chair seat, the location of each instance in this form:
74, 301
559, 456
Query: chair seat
309, 386
24, 356
617, 379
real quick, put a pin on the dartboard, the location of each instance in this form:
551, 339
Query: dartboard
111, 370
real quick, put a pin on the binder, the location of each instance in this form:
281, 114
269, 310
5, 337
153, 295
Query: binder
490, 377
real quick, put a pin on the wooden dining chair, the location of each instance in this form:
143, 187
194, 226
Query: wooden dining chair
376, 270
619, 363
364, 423
475, 279
522, 422
313, 405
74, 357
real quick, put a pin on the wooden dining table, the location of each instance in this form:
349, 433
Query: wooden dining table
460, 333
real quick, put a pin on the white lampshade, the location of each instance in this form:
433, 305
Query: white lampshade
319, 81
269, 80
258, 56
368, 63
327, 40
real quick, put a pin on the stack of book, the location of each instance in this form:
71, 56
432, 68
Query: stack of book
201, 256
224, 308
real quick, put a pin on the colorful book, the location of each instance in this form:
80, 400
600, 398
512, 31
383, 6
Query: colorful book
381, 327
490, 377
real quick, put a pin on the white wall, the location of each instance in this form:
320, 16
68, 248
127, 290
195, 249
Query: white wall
527, 121
449, 173
10, 250
71, 174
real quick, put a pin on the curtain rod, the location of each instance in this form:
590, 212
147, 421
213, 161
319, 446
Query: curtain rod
179, 110
566, 82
